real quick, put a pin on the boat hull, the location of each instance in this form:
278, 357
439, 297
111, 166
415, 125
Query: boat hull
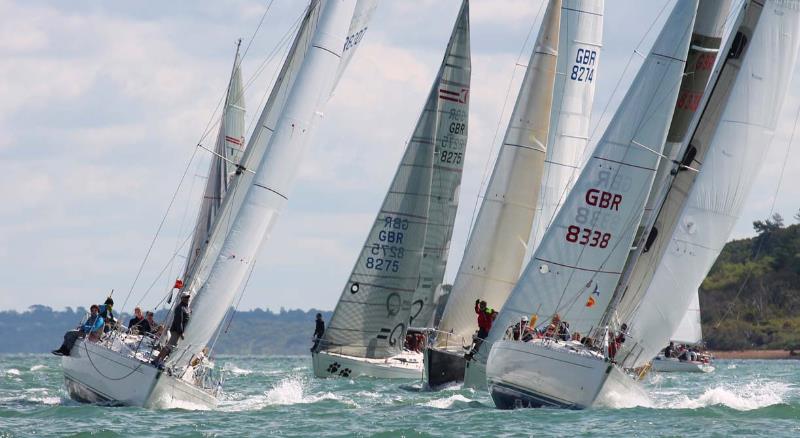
663, 365
443, 367
96, 374
475, 375
328, 364
544, 373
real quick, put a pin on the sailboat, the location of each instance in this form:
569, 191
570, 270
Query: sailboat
689, 333
575, 269
543, 143
763, 51
401, 264
118, 370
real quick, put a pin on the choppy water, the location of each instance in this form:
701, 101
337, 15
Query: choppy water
279, 396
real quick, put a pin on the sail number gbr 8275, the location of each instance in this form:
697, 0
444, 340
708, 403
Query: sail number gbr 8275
385, 255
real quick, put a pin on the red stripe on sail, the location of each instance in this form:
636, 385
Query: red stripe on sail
234, 140
454, 96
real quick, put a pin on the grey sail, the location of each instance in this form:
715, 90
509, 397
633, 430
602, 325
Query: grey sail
373, 312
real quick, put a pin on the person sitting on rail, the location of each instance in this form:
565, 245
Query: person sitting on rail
92, 328
106, 311
137, 323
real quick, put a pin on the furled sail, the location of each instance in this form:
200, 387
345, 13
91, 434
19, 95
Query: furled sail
766, 54
228, 150
575, 268
690, 330
270, 163
493, 256
373, 312
573, 96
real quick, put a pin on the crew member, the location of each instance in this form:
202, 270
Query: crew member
93, 327
319, 330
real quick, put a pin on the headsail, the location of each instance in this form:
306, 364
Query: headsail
276, 147
766, 54
690, 330
373, 311
493, 256
228, 149
575, 268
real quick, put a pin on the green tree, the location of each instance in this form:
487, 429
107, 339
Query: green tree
768, 225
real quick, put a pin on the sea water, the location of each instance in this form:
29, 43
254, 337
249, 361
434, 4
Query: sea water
280, 396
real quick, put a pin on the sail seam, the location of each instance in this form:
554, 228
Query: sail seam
271, 190
327, 50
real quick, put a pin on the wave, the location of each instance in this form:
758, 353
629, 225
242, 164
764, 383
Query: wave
750, 396
233, 369
447, 402
13, 372
38, 367
289, 391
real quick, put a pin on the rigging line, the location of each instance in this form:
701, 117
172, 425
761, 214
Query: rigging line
160, 226
771, 212
225, 159
164, 269
500, 120
260, 23
230, 321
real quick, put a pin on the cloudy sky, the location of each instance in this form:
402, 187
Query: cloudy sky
101, 104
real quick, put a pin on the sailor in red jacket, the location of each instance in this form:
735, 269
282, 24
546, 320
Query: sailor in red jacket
486, 316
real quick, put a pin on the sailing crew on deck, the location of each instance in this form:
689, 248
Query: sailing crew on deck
137, 323
670, 350
179, 322
486, 316
93, 327
563, 331
153, 327
319, 330
615, 342
106, 311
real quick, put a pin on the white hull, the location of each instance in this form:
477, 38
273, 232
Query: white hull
673, 365
545, 373
403, 366
475, 375
96, 374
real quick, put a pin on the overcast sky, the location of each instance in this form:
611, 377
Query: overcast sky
101, 104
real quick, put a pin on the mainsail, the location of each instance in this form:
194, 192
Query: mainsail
578, 263
270, 165
493, 256
766, 54
228, 152
690, 330
373, 312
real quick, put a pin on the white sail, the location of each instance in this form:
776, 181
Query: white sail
574, 270
690, 330
373, 312
229, 148
736, 151
496, 247
283, 134
573, 96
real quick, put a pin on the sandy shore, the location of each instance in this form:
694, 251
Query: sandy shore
756, 354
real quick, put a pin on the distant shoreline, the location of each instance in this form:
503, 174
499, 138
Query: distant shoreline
756, 354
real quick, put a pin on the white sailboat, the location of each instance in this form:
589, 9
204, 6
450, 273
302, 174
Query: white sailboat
544, 141
118, 370
763, 51
690, 332
401, 264
576, 267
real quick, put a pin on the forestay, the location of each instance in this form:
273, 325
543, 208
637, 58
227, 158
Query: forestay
736, 153
493, 256
574, 270
690, 330
228, 152
372, 315
274, 153
573, 96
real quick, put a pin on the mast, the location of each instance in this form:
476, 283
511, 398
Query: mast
574, 269
270, 165
493, 256
373, 312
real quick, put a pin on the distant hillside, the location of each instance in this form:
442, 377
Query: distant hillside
255, 332
751, 297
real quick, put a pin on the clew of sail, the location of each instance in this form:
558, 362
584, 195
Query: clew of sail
273, 155
573, 96
372, 315
578, 263
228, 149
766, 54
493, 256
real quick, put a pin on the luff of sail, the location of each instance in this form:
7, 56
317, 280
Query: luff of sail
372, 315
319, 46
575, 268
690, 330
733, 159
573, 96
230, 146
496, 247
